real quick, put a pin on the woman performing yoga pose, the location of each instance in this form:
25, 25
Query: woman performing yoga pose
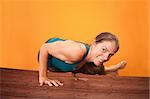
76, 57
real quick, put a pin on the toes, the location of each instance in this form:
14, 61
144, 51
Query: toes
123, 62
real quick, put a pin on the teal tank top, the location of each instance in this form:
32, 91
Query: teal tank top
60, 65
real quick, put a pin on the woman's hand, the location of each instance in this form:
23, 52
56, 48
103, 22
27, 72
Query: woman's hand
45, 80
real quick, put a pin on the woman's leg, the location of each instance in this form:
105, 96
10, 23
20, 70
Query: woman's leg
116, 67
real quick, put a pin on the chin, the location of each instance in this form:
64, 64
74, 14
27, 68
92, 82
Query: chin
97, 63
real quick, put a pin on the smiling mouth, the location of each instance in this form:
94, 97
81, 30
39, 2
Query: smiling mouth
100, 61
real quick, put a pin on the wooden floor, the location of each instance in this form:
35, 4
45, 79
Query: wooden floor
21, 84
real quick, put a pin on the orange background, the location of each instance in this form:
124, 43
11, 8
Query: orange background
26, 24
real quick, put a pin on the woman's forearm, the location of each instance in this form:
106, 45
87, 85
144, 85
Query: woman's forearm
42, 71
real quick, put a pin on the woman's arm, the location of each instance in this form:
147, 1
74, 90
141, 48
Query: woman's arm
43, 61
43, 58
61, 50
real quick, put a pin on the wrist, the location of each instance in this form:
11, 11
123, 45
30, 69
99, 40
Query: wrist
42, 74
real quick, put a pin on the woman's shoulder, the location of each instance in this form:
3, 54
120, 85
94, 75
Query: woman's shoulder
75, 49
69, 44
72, 50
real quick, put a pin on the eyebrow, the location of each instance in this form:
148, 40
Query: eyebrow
109, 51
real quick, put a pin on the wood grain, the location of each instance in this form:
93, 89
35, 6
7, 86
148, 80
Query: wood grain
21, 84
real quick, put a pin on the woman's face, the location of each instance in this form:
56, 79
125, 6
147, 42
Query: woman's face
102, 52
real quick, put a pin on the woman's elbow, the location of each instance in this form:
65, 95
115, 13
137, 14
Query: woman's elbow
43, 50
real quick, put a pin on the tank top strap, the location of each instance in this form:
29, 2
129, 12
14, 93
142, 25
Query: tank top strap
86, 53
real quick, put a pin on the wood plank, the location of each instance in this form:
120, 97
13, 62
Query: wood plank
20, 84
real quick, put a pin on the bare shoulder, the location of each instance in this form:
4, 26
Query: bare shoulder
68, 50
74, 48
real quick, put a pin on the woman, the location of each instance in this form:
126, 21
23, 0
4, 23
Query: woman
71, 56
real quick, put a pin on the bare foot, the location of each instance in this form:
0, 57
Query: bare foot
121, 65
116, 67
83, 79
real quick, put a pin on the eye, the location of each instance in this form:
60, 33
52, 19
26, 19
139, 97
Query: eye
110, 55
104, 49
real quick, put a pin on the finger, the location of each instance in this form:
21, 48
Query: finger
54, 83
47, 70
41, 83
76, 78
58, 82
49, 83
